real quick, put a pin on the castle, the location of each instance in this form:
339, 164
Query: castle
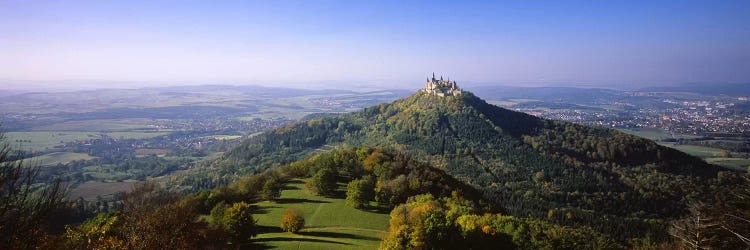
441, 87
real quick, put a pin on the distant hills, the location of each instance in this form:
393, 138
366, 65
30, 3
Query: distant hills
570, 174
731, 89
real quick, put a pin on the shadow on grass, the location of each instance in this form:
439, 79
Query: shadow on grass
267, 229
339, 235
261, 210
338, 194
297, 200
292, 239
295, 181
377, 209
288, 186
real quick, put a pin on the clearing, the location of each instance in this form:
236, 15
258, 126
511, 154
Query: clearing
329, 223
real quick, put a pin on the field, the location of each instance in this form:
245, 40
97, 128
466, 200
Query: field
151, 151
733, 163
329, 223
700, 151
709, 154
104, 125
37, 141
650, 133
90, 190
55, 158
44, 140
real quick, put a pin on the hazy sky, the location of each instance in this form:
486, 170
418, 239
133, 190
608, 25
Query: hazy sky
555, 42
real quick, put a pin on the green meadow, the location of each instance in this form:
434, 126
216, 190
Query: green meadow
329, 223
733, 163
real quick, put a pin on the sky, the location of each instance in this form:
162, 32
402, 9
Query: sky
387, 43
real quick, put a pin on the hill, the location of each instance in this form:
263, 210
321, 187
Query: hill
616, 183
730, 89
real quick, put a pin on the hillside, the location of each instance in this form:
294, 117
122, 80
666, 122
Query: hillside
616, 183
328, 220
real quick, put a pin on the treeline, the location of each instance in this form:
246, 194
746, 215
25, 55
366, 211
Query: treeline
427, 222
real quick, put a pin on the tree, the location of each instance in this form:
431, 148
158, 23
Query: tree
271, 190
697, 230
323, 182
359, 192
292, 221
217, 215
153, 217
24, 209
437, 229
239, 223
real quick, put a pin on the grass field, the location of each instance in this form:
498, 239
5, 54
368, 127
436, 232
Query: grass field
656, 133
699, 151
733, 163
136, 134
650, 133
90, 190
103, 125
224, 137
329, 223
141, 152
45, 140
55, 158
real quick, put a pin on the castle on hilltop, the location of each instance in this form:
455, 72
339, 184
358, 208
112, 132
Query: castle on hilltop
441, 87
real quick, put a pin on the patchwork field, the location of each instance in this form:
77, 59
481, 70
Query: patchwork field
329, 223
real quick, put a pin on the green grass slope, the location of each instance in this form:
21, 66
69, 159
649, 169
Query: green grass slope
329, 223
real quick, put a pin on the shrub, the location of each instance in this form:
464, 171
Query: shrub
292, 221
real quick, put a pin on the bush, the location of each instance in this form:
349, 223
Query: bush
292, 221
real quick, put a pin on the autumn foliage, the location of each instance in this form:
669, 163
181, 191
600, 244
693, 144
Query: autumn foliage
292, 221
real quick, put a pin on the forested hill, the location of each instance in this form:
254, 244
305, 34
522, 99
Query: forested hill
570, 174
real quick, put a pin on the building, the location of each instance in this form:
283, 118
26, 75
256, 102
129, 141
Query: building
441, 87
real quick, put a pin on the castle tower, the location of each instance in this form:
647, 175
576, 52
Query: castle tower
441, 87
